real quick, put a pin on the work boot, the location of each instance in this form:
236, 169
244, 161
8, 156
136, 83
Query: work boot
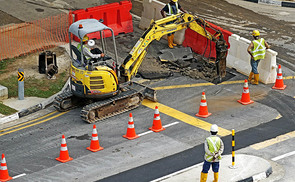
170, 41
173, 40
215, 177
250, 77
203, 177
256, 78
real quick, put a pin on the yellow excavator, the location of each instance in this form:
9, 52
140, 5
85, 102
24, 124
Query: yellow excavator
104, 88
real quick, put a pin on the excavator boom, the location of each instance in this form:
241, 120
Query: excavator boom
160, 28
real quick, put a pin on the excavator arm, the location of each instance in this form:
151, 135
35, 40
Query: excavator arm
160, 28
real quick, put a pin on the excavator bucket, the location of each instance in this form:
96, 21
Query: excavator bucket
148, 92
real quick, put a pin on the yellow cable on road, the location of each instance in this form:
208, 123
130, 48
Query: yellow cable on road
184, 117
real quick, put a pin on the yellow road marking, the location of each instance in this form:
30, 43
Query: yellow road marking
273, 141
278, 117
207, 84
28, 122
183, 117
231, 82
42, 121
183, 86
288, 77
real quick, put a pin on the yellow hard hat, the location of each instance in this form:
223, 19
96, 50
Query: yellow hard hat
255, 33
85, 38
175, 1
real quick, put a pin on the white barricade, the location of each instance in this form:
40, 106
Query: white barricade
239, 59
151, 11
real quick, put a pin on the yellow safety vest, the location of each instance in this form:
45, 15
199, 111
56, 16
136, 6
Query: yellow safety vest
79, 48
170, 11
258, 52
214, 146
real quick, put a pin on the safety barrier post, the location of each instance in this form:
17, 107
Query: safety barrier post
21, 90
233, 150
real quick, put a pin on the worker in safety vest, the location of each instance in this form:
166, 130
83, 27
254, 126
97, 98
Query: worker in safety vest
90, 53
257, 52
171, 8
213, 150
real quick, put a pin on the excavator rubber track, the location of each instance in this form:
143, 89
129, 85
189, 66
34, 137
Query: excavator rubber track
110, 107
65, 101
130, 98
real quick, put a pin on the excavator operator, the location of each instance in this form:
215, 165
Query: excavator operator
95, 53
171, 8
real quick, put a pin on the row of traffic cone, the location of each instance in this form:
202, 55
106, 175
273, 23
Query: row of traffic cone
157, 125
94, 145
245, 99
64, 153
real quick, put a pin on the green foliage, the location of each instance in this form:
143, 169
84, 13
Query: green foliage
43, 88
4, 63
5, 110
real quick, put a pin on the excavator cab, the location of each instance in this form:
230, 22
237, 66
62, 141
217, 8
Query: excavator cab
92, 77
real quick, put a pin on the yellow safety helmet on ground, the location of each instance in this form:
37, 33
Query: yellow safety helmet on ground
85, 38
255, 33
174, 0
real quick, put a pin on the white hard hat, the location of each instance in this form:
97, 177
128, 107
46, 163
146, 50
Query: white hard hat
91, 43
214, 128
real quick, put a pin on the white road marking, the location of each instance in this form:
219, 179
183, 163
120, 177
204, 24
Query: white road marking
165, 126
20, 175
283, 156
145, 133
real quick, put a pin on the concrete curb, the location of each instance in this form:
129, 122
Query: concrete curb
275, 2
34, 108
259, 176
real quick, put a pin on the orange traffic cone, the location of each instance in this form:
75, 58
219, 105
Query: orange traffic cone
157, 125
64, 154
279, 85
130, 130
94, 145
203, 110
4, 176
245, 100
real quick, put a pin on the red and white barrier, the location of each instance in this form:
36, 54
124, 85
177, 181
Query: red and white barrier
114, 15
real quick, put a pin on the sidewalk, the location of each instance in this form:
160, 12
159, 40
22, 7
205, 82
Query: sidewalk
247, 168
27, 106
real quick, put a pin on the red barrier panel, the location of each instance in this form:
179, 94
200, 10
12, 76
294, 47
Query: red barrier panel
202, 45
115, 15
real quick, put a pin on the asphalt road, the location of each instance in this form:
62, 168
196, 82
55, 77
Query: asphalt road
31, 148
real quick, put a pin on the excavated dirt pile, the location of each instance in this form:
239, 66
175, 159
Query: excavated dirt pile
197, 68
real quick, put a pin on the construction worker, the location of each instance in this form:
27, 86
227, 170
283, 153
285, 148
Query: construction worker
257, 52
90, 53
171, 8
213, 150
